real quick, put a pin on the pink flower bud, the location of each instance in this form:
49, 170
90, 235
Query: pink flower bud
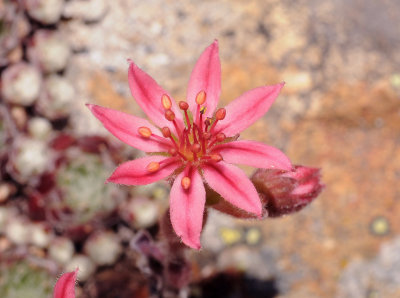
284, 192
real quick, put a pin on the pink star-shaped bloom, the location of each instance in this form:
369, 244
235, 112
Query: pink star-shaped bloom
196, 143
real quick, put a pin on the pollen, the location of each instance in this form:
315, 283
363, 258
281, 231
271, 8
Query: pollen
185, 182
166, 102
153, 166
203, 110
201, 97
145, 132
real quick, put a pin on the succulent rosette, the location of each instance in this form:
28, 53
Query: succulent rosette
63, 197
194, 143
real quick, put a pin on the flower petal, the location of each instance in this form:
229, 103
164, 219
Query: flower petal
148, 95
65, 286
247, 108
206, 76
125, 127
253, 154
233, 185
135, 172
187, 208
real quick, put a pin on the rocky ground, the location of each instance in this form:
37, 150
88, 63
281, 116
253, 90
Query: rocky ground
339, 110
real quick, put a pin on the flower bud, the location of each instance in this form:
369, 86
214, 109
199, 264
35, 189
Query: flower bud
284, 192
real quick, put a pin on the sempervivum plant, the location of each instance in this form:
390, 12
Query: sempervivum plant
13, 28
74, 194
23, 279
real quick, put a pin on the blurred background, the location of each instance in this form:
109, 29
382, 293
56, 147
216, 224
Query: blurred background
339, 110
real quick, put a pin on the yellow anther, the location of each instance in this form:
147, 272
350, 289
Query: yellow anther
201, 97
145, 132
166, 102
185, 182
153, 166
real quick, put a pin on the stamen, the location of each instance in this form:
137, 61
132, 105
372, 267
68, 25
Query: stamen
169, 115
201, 97
220, 114
195, 148
220, 137
216, 157
153, 166
207, 136
172, 151
145, 132
183, 105
166, 102
185, 182
166, 132
207, 123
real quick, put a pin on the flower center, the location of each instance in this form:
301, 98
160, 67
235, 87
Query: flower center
194, 141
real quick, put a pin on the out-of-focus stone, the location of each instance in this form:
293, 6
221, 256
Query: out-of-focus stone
14, 27
19, 116
61, 250
89, 10
45, 11
103, 248
140, 212
39, 235
39, 128
49, 51
15, 81
56, 97
6, 190
297, 81
17, 231
85, 265
29, 158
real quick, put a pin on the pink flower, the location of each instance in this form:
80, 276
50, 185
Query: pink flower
65, 286
284, 192
196, 143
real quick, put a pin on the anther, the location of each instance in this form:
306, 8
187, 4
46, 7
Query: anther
144, 131
166, 102
216, 157
169, 115
207, 122
220, 137
166, 132
220, 114
196, 148
183, 105
185, 182
200, 97
203, 110
153, 166
207, 135
172, 151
